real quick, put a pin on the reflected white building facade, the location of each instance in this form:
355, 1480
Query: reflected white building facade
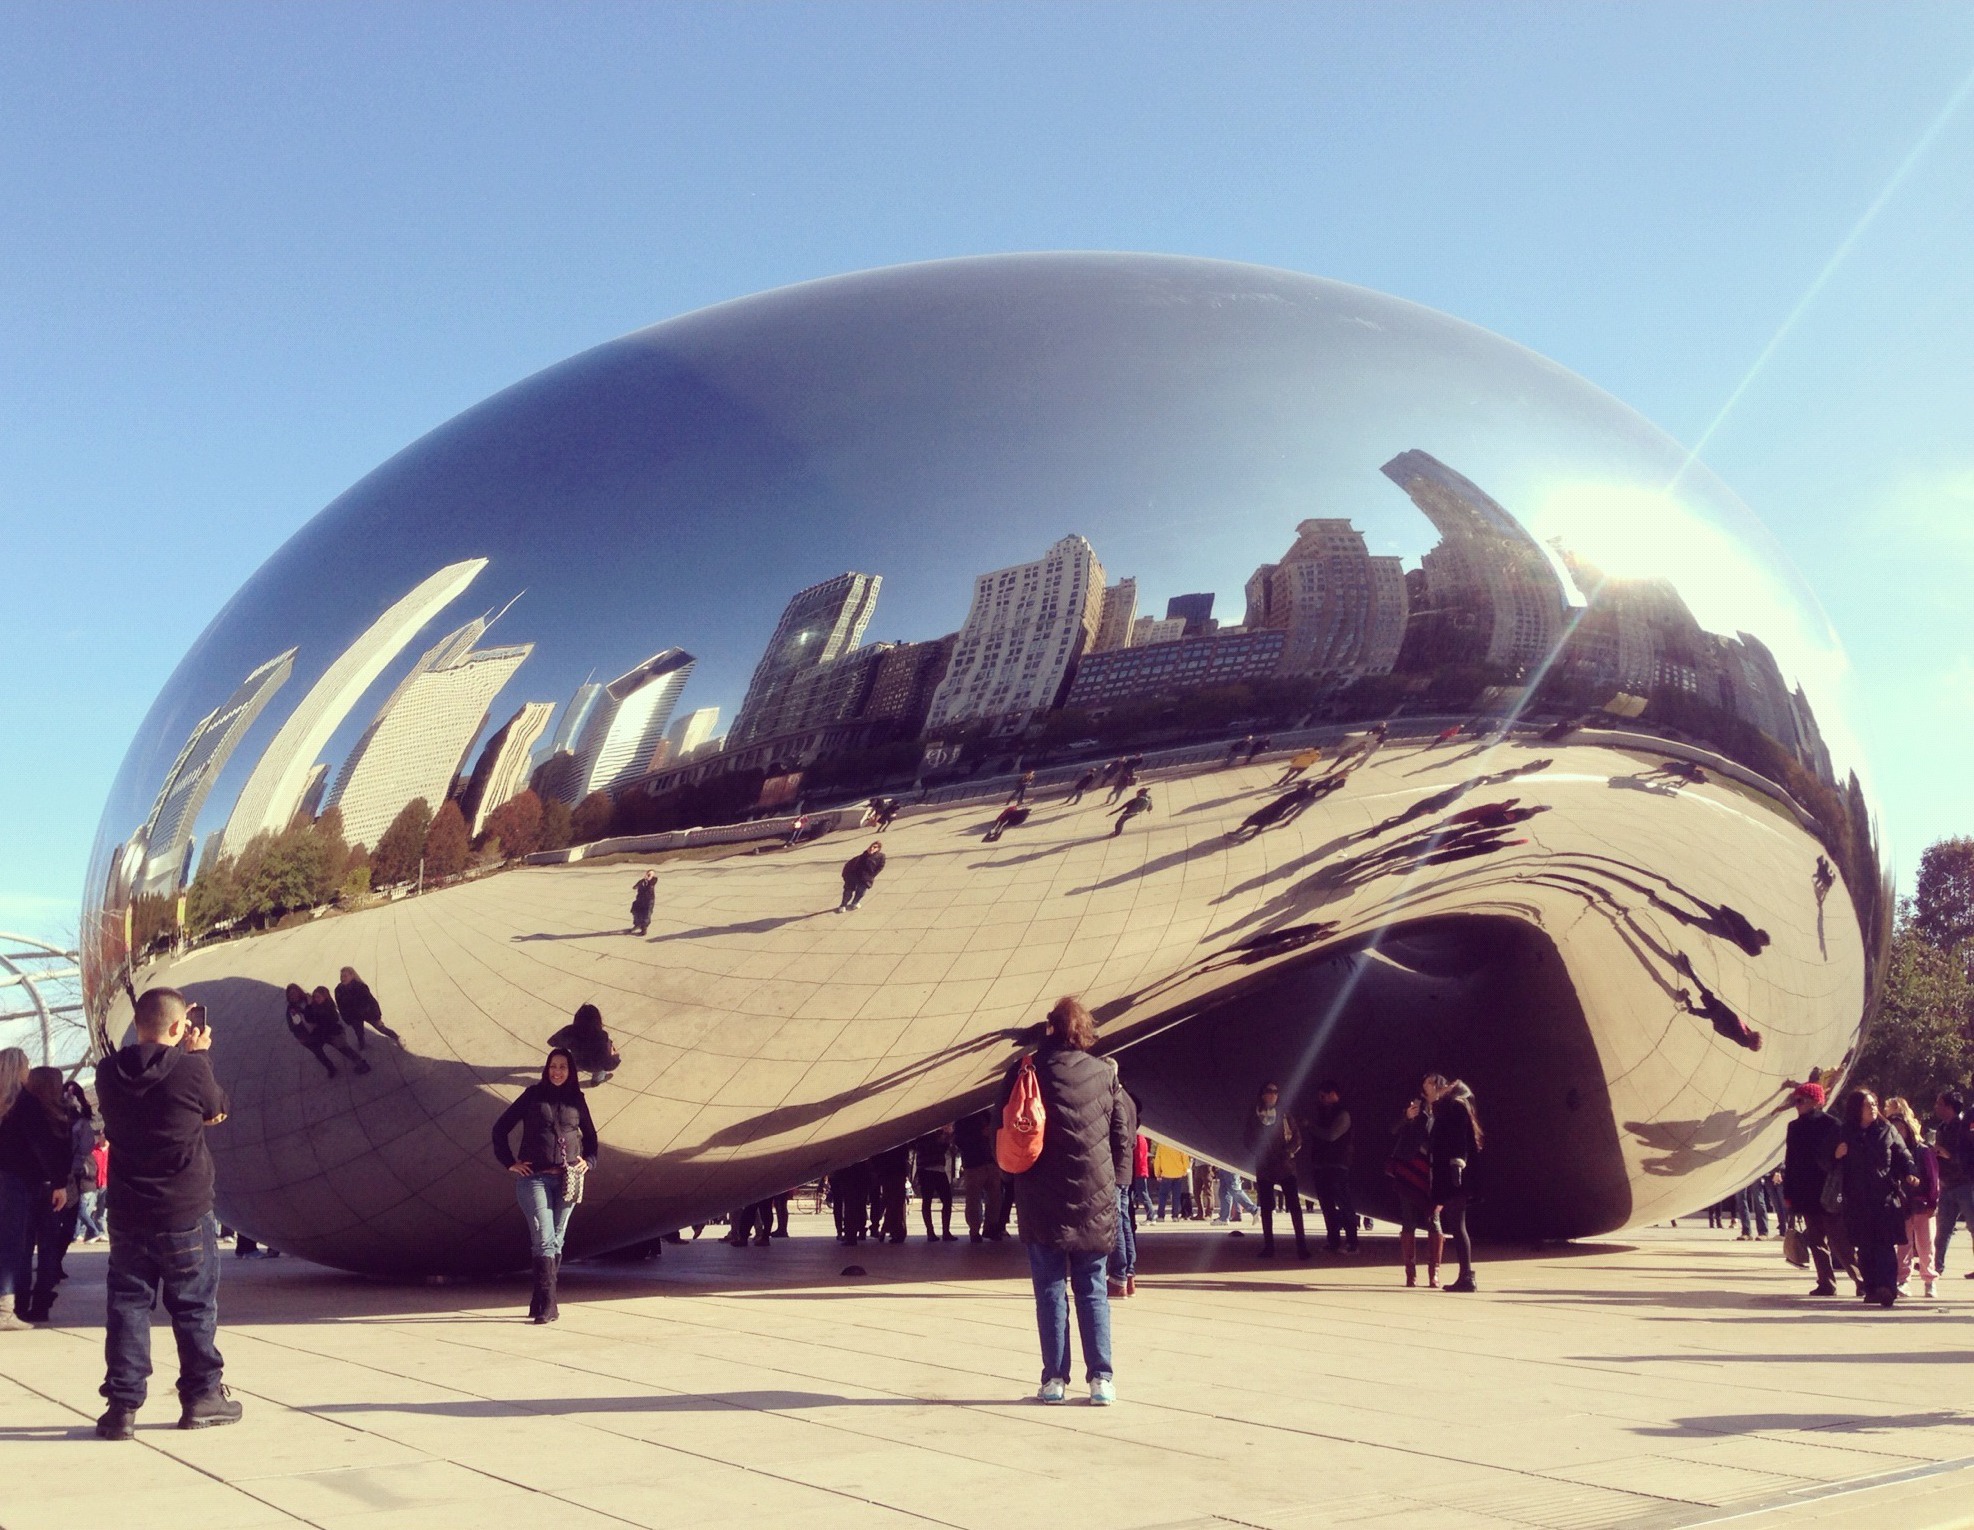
1026, 628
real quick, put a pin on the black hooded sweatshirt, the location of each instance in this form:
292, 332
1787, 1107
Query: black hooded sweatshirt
156, 1101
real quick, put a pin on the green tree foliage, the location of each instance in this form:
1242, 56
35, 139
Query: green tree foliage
401, 845
517, 824
1918, 1044
447, 844
1943, 898
592, 818
555, 826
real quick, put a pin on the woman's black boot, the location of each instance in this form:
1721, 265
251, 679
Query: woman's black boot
550, 1312
543, 1300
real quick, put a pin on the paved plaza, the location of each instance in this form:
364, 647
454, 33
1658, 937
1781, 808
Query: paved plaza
1678, 1378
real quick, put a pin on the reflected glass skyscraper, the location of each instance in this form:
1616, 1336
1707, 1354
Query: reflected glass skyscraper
274, 791
819, 625
628, 719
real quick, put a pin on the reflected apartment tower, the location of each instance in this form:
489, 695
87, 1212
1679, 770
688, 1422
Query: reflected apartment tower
1147, 630
1343, 611
1492, 595
1026, 629
274, 789
817, 626
686, 736
420, 735
628, 720
1119, 611
167, 834
502, 771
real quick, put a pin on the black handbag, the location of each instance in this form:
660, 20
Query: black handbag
1832, 1199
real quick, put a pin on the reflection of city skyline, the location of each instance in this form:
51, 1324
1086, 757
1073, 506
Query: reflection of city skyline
1049, 636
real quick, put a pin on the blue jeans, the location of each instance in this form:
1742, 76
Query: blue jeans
16, 1235
1168, 1192
1124, 1253
89, 1215
1058, 1277
182, 1269
1956, 1206
1751, 1200
1232, 1195
540, 1199
1141, 1196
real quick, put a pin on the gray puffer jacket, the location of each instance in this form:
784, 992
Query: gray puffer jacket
1068, 1200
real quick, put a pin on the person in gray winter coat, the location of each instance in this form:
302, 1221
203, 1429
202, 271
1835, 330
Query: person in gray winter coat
1067, 1199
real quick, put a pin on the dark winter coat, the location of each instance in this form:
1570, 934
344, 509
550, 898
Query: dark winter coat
358, 1005
1068, 1200
1876, 1162
1272, 1140
555, 1127
324, 1020
1808, 1154
861, 869
1126, 1156
593, 1050
1329, 1135
33, 1147
1452, 1145
156, 1101
974, 1139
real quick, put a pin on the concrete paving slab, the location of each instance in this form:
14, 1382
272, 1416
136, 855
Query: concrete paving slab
1666, 1382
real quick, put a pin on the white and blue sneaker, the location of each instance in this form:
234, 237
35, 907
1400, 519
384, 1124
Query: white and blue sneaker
1103, 1392
1054, 1390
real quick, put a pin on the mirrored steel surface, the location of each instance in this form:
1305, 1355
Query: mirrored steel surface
1482, 733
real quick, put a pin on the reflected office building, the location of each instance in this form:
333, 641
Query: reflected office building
1584, 825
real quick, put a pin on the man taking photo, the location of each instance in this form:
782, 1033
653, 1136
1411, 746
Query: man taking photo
158, 1096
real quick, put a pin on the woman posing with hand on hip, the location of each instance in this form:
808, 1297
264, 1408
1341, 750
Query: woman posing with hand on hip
558, 1147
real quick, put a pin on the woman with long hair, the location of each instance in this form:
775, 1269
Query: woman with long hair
589, 1044
34, 1162
1878, 1171
1067, 1198
1916, 1247
1454, 1140
558, 1148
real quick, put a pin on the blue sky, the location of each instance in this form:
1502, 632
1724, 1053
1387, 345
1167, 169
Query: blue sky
247, 254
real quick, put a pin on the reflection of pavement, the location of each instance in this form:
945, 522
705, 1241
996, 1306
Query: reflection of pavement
1679, 1383
756, 1021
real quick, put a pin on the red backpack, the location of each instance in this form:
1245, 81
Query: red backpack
1019, 1142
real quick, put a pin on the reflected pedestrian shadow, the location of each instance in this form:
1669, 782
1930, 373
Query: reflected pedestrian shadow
622, 929
745, 927
1763, 1423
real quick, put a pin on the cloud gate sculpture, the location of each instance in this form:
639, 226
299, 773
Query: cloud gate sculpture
1480, 731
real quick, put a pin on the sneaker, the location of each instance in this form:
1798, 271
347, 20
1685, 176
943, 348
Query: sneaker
1928, 1288
210, 1410
1464, 1283
1054, 1390
1824, 1289
1103, 1392
117, 1424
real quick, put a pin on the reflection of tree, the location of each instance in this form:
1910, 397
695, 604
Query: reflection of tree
400, 847
303, 867
1918, 1044
447, 843
592, 818
515, 826
557, 833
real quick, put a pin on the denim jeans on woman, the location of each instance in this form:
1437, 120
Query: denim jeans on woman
1124, 1252
540, 1199
183, 1269
1060, 1278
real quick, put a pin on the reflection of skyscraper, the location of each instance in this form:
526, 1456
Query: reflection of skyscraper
819, 624
1146, 630
690, 731
1024, 633
274, 789
1196, 611
168, 833
422, 732
627, 721
1120, 609
1493, 597
502, 770
311, 803
1343, 610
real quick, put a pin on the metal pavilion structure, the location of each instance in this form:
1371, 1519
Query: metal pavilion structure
41, 987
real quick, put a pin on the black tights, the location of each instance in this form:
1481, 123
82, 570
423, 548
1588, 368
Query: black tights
1453, 1222
1292, 1194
